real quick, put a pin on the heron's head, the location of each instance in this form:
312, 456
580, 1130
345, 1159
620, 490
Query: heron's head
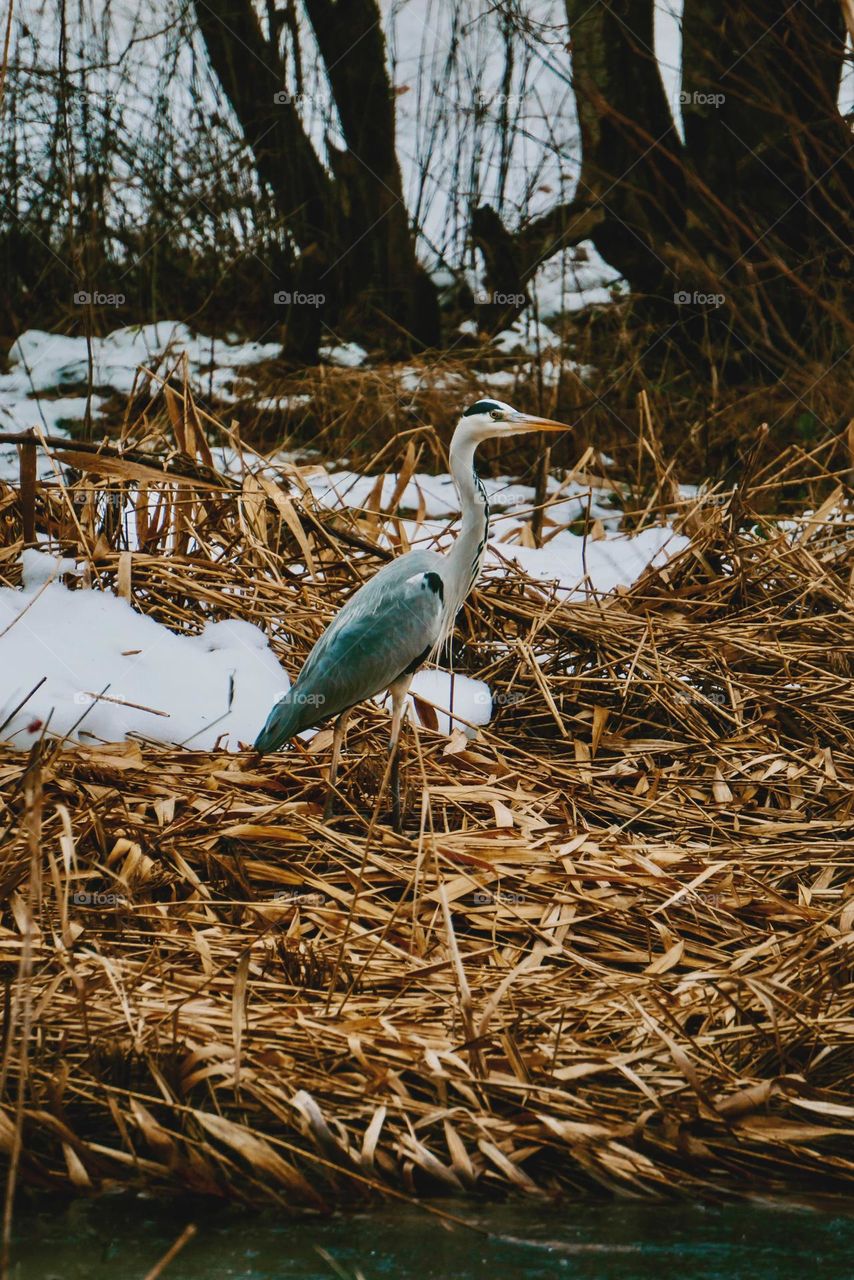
490, 418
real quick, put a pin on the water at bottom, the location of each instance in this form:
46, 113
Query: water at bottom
122, 1239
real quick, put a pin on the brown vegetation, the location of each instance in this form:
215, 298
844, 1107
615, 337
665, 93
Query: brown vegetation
611, 950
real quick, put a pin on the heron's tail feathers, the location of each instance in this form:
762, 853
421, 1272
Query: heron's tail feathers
283, 722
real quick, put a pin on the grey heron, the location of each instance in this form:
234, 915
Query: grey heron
402, 615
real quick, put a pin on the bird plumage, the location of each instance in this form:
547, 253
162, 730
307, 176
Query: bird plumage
402, 615
388, 626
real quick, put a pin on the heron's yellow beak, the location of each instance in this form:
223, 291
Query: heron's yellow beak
526, 422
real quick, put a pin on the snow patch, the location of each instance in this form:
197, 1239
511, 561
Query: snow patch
108, 671
528, 336
469, 700
577, 565
571, 280
43, 364
219, 683
347, 355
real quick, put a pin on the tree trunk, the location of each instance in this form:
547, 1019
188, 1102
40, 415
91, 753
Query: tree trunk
630, 197
378, 264
349, 243
631, 153
770, 151
253, 77
746, 225
511, 261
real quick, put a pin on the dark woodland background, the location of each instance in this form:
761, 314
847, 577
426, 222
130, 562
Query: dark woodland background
733, 242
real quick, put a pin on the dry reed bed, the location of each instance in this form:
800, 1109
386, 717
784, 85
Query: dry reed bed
612, 948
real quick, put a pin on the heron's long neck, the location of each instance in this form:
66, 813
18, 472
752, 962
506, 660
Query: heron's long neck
466, 555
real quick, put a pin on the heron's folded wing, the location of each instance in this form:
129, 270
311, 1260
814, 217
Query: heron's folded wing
381, 632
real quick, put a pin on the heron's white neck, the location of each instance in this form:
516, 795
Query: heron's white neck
466, 556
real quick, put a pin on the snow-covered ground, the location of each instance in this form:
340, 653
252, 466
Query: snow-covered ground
98, 671
435, 497
106, 671
117, 672
578, 566
50, 372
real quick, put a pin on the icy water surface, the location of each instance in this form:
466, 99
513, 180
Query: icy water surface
123, 1239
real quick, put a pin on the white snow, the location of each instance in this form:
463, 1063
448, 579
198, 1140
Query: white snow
44, 364
568, 499
500, 379
549, 373
54, 415
576, 565
469, 700
282, 404
347, 355
526, 335
438, 494
352, 489
43, 361
109, 671
576, 278
85, 642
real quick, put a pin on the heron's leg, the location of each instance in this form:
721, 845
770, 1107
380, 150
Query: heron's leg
337, 739
398, 692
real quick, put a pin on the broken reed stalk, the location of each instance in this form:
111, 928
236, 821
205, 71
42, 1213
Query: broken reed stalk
28, 466
610, 952
22, 1006
189, 1233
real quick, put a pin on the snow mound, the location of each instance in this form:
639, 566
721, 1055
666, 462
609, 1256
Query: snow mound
577, 565
163, 686
469, 700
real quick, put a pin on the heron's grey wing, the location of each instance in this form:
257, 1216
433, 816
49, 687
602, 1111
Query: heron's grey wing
388, 627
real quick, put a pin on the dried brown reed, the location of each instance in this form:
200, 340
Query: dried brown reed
704, 426
612, 949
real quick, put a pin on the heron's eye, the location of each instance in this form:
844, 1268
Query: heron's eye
496, 415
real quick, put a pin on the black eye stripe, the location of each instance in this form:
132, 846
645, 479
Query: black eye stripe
482, 406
